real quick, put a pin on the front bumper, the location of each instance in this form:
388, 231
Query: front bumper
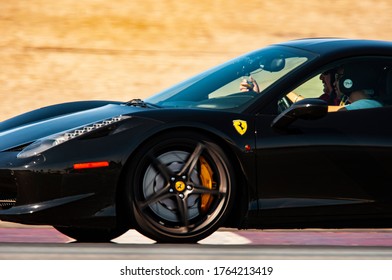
35, 192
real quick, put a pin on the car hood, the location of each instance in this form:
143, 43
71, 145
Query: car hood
32, 131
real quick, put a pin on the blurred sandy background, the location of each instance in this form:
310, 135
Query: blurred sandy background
66, 50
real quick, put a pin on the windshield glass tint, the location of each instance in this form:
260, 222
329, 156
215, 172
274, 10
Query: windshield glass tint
219, 87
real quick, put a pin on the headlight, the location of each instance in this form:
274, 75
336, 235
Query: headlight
51, 141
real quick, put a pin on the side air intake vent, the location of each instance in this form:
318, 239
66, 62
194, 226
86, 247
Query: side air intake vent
6, 203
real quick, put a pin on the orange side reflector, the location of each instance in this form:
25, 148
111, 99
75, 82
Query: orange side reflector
87, 165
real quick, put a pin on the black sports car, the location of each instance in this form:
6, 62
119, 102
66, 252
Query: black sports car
251, 143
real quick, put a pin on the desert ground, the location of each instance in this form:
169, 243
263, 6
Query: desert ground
67, 50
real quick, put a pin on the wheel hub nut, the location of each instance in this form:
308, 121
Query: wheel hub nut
180, 186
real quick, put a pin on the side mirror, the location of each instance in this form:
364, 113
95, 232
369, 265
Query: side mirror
306, 109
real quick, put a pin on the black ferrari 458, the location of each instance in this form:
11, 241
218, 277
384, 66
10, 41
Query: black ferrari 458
293, 135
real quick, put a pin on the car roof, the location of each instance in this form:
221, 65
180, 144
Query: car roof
326, 46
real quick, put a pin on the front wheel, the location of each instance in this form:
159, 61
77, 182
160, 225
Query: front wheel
180, 189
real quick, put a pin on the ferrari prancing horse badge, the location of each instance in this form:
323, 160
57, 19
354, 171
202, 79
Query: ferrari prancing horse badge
241, 126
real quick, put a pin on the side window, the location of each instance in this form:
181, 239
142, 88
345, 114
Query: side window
320, 86
311, 89
360, 84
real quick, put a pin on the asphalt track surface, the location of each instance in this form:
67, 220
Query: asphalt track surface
45, 243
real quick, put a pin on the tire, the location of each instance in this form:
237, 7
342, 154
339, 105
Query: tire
91, 234
180, 188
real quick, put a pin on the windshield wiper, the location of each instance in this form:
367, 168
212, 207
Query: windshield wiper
140, 103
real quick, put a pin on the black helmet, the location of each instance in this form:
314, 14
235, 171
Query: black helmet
358, 77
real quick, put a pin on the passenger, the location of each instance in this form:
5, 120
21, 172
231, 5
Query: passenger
357, 83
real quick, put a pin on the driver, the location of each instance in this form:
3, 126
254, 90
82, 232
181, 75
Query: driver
330, 95
358, 83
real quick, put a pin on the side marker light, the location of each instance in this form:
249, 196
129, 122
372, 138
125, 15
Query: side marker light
88, 165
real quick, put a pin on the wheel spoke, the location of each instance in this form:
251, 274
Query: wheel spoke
158, 196
161, 168
199, 189
192, 160
183, 212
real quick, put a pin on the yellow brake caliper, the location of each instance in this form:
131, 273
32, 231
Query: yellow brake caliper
206, 180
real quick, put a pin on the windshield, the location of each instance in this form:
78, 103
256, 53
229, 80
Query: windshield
219, 87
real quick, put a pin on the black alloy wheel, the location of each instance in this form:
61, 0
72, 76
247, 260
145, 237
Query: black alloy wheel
180, 188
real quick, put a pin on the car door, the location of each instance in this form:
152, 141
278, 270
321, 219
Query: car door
327, 171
